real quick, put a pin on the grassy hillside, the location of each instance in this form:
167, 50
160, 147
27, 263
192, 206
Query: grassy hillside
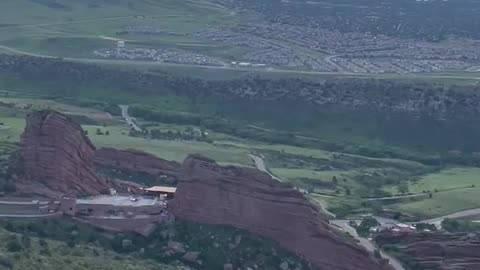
364, 148
56, 242
24, 252
453, 189
76, 28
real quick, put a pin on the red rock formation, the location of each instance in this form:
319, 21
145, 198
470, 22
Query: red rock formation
249, 199
56, 158
436, 251
136, 161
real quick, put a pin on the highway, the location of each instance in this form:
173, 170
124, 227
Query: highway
235, 68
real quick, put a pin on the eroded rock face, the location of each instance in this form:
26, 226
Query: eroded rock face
137, 161
55, 158
249, 199
436, 251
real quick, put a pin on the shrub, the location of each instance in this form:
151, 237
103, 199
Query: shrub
6, 262
13, 245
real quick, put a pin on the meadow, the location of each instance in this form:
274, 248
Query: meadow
77, 28
453, 189
170, 150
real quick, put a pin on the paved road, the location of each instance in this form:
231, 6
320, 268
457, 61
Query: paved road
18, 202
87, 21
461, 214
260, 164
329, 59
130, 121
365, 243
323, 205
396, 197
30, 216
272, 70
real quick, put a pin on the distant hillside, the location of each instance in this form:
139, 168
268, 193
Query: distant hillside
368, 117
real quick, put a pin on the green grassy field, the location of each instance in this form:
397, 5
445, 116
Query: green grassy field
42, 104
443, 203
453, 178
313, 169
170, 150
76, 28
456, 189
11, 129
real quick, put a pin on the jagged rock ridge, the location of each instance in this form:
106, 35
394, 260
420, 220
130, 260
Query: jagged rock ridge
249, 199
55, 158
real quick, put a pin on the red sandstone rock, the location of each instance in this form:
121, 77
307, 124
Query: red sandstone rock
56, 158
436, 251
249, 199
137, 161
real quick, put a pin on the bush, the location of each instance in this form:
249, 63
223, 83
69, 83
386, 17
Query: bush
26, 241
6, 262
13, 245
364, 228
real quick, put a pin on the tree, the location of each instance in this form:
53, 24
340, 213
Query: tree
377, 254
334, 180
348, 192
43, 243
451, 225
403, 187
107, 133
85, 132
13, 245
98, 132
364, 228
26, 241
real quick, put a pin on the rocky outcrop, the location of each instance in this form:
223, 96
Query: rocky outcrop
249, 199
137, 161
55, 158
435, 251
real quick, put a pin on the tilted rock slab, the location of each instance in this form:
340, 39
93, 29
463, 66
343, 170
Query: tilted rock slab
56, 158
251, 200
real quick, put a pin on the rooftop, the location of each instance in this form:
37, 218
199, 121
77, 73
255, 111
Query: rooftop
162, 189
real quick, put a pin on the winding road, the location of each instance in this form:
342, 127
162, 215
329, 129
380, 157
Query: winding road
130, 121
365, 243
260, 165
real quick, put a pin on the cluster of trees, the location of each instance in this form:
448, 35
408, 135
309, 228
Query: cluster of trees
454, 225
249, 251
365, 225
159, 134
439, 127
